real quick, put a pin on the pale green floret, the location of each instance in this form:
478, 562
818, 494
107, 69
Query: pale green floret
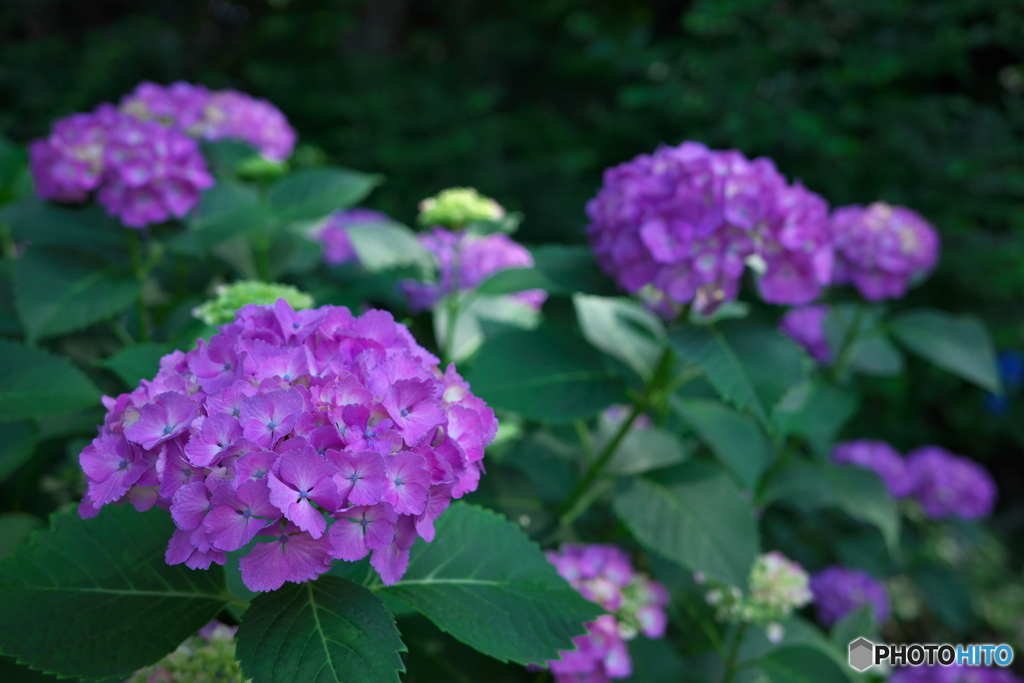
197, 660
221, 310
457, 206
777, 587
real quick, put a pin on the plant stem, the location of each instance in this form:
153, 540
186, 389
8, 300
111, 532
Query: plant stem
734, 651
596, 468
452, 305
261, 246
141, 272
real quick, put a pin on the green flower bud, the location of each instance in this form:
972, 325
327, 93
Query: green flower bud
457, 206
221, 310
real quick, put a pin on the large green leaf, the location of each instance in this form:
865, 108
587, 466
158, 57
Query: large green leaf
947, 596
478, 317
623, 329
486, 583
226, 210
17, 443
61, 290
750, 366
644, 449
386, 246
137, 362
328, 630
692, 514
544, 374
735, 438
95, 598
312, 193
870, 350
816, 411
34, 382
960, 344
15, 528
799, 664
40, 223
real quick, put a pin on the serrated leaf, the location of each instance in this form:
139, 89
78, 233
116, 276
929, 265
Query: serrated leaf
645, 449
487, 584
817, 412
735, 438
137, 362
15, 528
226, 210
623, 329
33, 382
17, 443
39, 223
959, 344
312, 193
386, 246
799, 664
325, 630
544, 374
870, 352
694, 515
59, 291
95, 598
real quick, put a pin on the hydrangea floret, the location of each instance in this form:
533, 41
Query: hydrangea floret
948, 485
208, 657
458, 206
840, 590
806, 326
603, 574
882, 250
318, 434
333, 234
680, 226
221, 309
880, 458
777, 586
954, 674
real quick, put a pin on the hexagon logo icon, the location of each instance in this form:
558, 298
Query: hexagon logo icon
861, 654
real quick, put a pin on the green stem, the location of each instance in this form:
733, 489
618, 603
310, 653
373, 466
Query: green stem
262, 248
452, 307
734, 652
141, 272
848, 344
596, 468
585, 441
7, 241
238, 602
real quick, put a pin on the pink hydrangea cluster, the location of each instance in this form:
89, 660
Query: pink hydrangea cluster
143, 172
464, 260
215, 115
325, 435
882, 250
603, 574
681, 225
333, 235
806, 326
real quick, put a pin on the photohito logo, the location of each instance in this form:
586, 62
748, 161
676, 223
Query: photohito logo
865, 654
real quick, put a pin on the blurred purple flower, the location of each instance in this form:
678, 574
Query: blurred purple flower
880, 458
334, 233
839, 591
949, 485
806, 326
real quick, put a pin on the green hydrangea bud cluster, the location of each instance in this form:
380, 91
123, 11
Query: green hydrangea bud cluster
777, 586
455, 207
221, 310
200, 659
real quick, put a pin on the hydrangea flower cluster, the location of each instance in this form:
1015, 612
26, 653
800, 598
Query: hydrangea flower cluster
333, 234
457, 206
464, 260
214, 115
326, 435
953, 674
604, 574
806, 326
143, 172
208, 657
681, 224
881, 249
777, 586
839, 591
880, 458
221, 310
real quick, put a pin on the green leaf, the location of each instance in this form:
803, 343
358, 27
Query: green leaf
572, 269
545, 374
513, 280
694, 515
623, 329
800, 664
947, 596
386, 246
312, 193
325, 630
137, 362
959, 344
750, 366
645, 449
17, 443
59, 291
816, 411
871, 352
95, 598
479, 315
860, 623
226, 210
487, 584
735, 438
34, 382
15, 528
40, 223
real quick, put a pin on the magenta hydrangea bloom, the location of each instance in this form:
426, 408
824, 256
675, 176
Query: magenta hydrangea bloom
806, 326
68, 165
882, 249
333, 235
949, 485
880, 458
680, 225
325, 435
839, 591
464, 260
604, 574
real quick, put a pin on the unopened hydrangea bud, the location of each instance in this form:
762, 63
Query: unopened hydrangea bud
777, 587
806, 326
221, 310
880, 458
882, 249
457, 206
839, 591
208, 657
333, 234
949, 485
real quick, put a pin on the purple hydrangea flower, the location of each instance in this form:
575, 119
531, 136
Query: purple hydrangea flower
953, 674
334, 233
464, 260
806, 326
604, 574
839, 591
882, 249
880, 458
946, 484
325, 435
680, 225
68, 165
